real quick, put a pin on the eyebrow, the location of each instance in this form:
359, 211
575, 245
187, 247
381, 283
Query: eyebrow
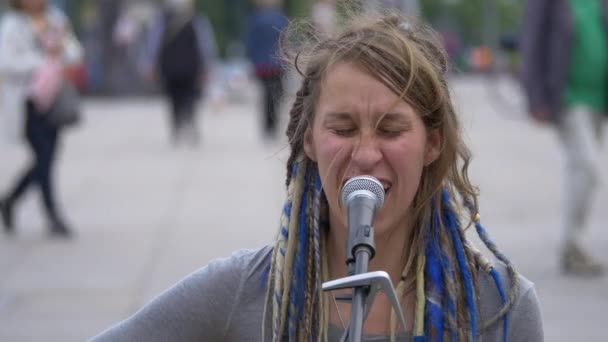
398, 117
383, 116
338, 116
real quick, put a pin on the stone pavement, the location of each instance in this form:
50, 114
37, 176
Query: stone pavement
147, 214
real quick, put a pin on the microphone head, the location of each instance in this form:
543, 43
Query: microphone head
368, 185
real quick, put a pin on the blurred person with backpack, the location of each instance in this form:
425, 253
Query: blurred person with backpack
180, 52
264, 30
565, 75
36, 47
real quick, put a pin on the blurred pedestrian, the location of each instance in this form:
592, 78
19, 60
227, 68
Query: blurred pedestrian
565, 75
181, 50
264, 30
36, 44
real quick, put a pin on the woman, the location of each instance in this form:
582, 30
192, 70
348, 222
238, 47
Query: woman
35, 40
373, 101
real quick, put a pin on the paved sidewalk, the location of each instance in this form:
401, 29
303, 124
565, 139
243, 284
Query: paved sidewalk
147, 214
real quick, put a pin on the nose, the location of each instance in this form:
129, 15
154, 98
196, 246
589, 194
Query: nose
366, 154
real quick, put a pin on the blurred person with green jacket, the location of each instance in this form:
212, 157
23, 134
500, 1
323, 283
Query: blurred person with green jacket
565, 76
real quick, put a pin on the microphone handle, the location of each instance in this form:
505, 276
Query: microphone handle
361, 211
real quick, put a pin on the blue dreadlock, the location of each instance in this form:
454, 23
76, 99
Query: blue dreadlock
435, 284
452, 225
506, 302
298, 288
495, 275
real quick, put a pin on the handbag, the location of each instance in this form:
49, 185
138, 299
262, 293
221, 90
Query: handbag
65, 110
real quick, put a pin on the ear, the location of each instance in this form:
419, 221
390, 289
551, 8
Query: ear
433, 147
309, 147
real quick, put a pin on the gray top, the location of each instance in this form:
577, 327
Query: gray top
224, 301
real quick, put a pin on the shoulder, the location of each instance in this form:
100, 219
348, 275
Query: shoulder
524, 317
199, 307
230, 271
246, 258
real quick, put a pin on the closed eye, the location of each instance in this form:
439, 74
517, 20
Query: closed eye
344, 132
389, 132
393, 125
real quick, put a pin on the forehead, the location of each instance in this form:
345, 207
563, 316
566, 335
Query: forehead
348, 87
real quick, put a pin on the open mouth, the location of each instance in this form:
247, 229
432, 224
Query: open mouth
387, 188
386, 185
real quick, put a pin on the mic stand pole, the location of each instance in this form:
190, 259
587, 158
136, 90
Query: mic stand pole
365, 284
363, 254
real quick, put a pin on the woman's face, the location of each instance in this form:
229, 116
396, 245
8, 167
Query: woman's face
362, 128
33, 6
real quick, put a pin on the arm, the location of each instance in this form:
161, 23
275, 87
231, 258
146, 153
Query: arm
199, 308
535, 53
525, 319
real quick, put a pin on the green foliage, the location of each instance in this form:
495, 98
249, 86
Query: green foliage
467, 16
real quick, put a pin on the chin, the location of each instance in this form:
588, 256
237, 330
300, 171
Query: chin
385, 224
381, 226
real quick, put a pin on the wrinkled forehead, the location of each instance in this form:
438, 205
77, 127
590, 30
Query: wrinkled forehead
385, 57
339, 73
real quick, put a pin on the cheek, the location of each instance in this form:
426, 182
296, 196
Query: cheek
332, 158
406, 158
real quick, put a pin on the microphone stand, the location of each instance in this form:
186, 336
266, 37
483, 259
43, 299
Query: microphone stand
364, 252
360, 250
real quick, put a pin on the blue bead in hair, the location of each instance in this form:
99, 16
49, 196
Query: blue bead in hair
452, 224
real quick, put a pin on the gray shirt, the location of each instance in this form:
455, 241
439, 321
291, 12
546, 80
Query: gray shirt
224, 301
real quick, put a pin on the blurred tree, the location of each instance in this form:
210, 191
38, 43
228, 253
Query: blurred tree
467, 16
219, 15
298, 8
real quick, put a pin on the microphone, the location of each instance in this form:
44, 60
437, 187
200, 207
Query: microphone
362, 196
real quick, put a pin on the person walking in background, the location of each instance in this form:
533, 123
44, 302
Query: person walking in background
565, 76
265, 26
181, 50
36, 43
